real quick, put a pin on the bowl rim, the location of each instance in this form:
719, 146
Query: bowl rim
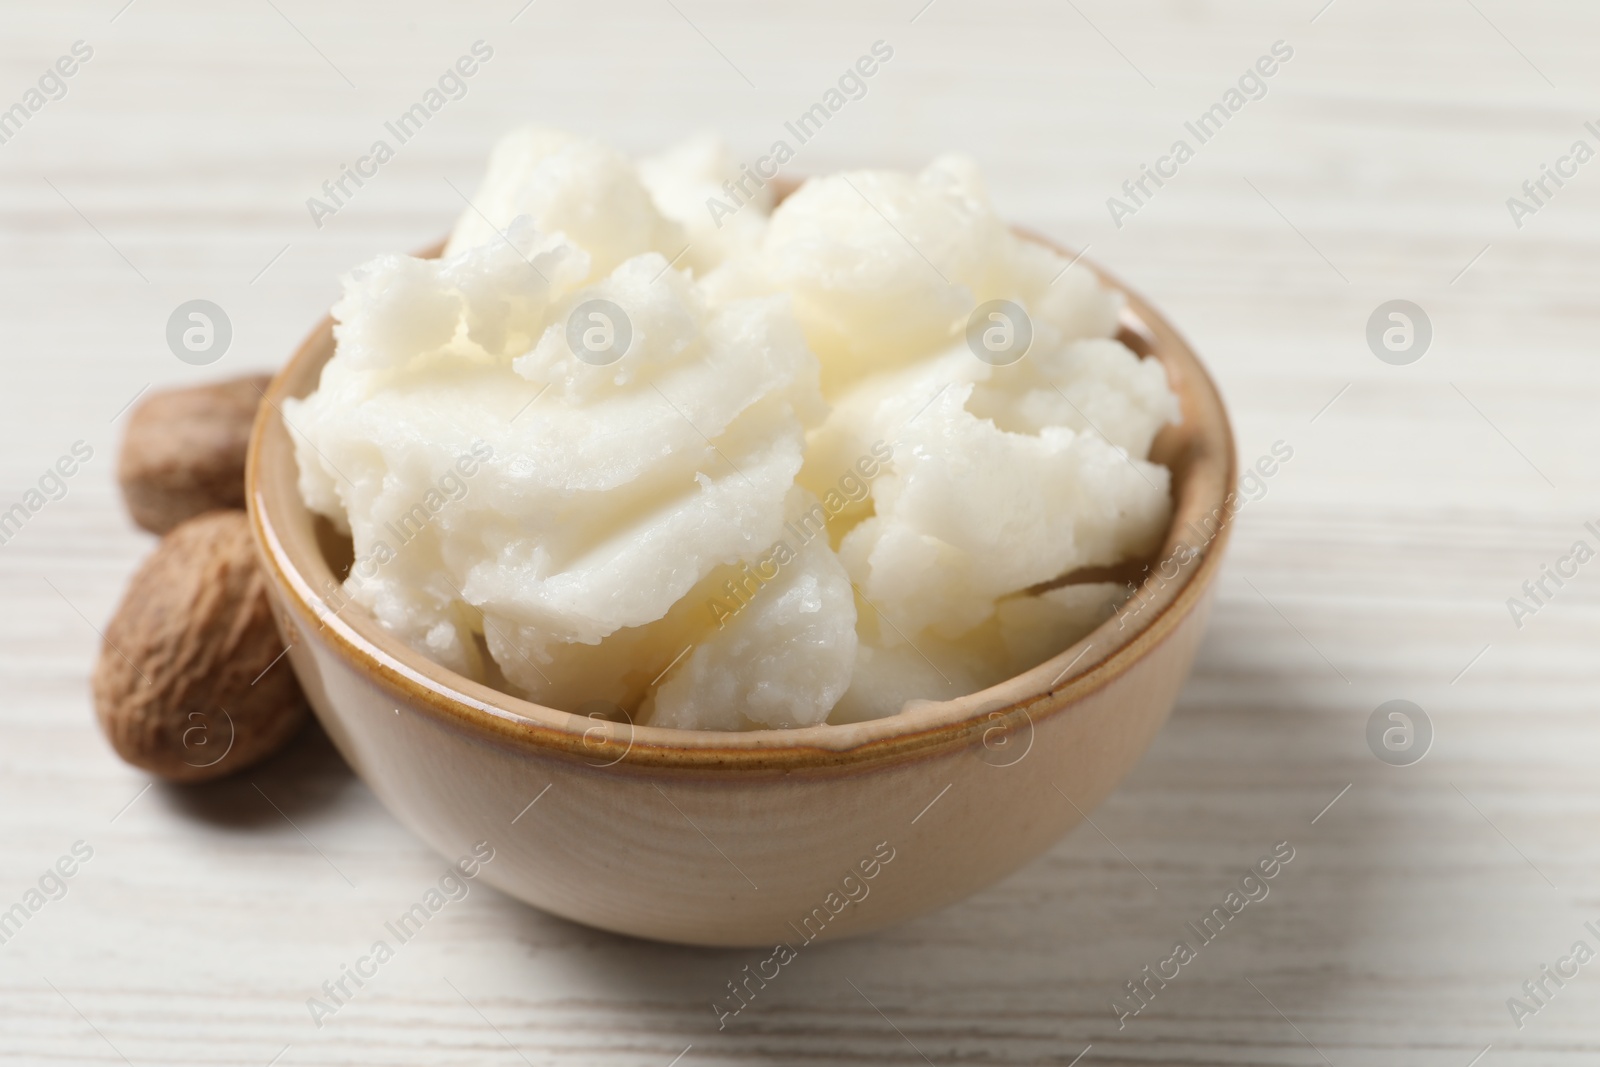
919, 730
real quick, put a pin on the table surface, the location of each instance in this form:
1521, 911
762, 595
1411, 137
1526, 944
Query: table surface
1378, 565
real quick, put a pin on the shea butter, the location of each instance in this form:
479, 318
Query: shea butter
606, 452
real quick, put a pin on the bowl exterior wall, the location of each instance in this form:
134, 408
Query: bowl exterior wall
744, 858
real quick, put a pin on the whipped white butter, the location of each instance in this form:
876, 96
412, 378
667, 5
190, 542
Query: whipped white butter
729, 478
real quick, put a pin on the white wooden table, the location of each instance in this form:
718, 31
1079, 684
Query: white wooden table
1377, 567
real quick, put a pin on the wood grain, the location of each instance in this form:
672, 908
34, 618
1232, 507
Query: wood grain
1377, 565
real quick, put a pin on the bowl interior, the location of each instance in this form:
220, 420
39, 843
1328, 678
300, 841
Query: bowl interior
305, 559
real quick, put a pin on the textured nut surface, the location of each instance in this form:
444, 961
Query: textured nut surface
184, 451
179, 687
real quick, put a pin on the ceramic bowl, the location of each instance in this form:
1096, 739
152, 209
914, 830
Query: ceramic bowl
770, 836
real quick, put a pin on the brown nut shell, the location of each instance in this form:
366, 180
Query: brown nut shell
191, 683
183, 453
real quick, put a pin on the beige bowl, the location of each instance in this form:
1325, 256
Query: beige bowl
773, 835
